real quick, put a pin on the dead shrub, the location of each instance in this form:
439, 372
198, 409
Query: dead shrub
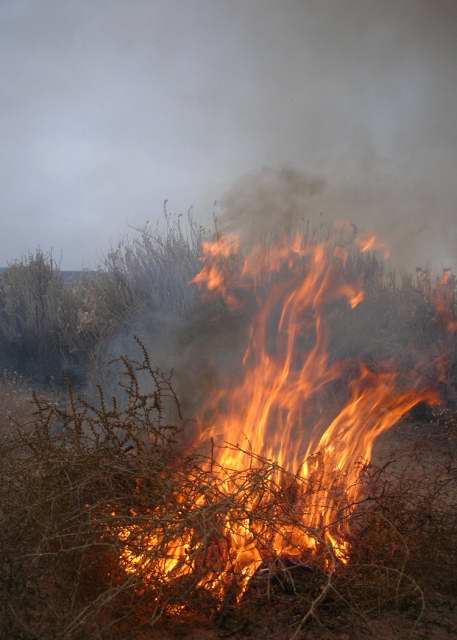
85, 488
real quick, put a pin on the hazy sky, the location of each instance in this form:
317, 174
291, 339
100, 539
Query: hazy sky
107, 107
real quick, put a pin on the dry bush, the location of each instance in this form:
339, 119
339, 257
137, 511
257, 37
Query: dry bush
62, 477
56, 331
15, 401
150, 273
84, 487
52, 331
142, 288
40, 333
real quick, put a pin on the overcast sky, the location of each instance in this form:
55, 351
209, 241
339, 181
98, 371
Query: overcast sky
107, 107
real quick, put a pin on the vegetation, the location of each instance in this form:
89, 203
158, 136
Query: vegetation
53, 332
84, 487
97, 480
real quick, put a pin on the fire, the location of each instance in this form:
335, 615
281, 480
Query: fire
213, 275
370, 242
311, 418
444, 300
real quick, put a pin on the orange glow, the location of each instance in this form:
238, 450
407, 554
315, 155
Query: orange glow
280, 408
370, 242
444, 300
213, 276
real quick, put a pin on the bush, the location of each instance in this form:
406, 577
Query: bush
93, 496
40, 333
52, 331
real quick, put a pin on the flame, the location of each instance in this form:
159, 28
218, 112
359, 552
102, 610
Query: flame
370, 242
173, 564
279, 409
444, 300
214, 274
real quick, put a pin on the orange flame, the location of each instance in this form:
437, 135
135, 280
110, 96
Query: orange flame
444, 300
213, 275
276, 408
370, 242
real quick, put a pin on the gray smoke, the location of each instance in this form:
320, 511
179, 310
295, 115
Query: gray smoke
268, 203
108, 107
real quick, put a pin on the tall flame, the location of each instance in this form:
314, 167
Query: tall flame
270, 410
279, 406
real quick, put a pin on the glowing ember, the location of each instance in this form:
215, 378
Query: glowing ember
279, 409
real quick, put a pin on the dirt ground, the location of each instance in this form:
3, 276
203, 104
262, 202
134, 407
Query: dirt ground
439, 623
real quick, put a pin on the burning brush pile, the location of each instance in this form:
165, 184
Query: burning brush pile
118, 515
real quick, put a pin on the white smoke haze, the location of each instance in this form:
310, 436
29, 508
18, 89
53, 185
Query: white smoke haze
107, 108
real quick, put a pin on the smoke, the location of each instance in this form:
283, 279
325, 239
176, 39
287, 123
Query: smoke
268, 203
109, 107
418, 228
205, 344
